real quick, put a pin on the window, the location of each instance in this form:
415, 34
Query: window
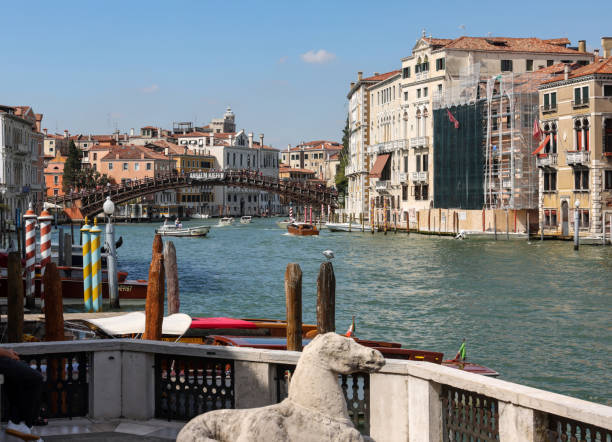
439, 89
550, 101
125, 166
583, 218
55, 192
529, 65
229, 198
581, 96
581, 134
440, 64
305, 156
550, 180
551, 146
55, 179
136, 166
148, 166
228, 158
418, 93
405, 163
406, 72
425, 162
506, 65
418, 163
404, 193
608, 179
425, 91
550, 218
581, 179
607, 90
549, 62
110, 166
95, 156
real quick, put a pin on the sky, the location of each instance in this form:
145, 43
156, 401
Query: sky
283, 66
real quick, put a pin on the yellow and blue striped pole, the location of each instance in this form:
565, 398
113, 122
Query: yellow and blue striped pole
96, 267
86, 267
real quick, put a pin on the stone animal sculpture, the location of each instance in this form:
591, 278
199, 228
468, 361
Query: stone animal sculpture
315, 409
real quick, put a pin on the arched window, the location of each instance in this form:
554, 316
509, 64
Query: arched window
581, 134
425, 65
551, 145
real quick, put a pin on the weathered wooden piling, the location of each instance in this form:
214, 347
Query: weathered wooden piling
172, 282
67, 249
54, 307
15, 298
293, 297
326, 299
154, 307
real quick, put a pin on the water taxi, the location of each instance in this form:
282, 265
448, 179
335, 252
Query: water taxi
302, 229
245, 220
179, 230
200, 216
226, 221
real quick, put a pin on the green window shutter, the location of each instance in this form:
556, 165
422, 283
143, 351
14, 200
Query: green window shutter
577, 95
553, 99
546, 101
585, 94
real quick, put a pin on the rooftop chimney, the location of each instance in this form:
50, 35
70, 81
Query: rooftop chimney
581, 45
117, 135
352, 84
376, 73
596, 52
250, 139
359, 75
45, 131
606, 46
261, 136
65, 133
132, 132
566, 71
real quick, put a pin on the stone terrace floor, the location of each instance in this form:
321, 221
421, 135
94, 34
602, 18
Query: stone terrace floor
90, 430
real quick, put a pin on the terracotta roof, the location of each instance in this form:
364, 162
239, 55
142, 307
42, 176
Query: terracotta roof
150, 127
603, 66
557, 68
318, 145
334, 156
132, 152
437, 41
381, 77
224, 134
175, 149
558, 41
99, 147
510, 44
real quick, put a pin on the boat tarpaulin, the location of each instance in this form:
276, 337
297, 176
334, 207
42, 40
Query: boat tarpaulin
221, 322
134, 323
379, 165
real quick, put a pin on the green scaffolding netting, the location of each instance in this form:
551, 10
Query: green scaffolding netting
459, 158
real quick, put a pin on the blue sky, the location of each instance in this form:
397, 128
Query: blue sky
283, 66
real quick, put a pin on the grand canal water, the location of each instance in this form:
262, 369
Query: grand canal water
539, 313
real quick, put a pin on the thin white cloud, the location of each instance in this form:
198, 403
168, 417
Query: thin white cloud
283, 59
320, 56
150, 89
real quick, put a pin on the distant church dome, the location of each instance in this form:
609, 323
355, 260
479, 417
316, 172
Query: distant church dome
229, 113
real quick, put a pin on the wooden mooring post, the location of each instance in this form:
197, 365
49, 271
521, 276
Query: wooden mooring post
154, 307
293, 297
54, 304
15, 298
172, 282
326, 299
67, 249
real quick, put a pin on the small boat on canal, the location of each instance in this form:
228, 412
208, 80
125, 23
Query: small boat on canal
226, 221
302, 229
245, 220
200, 216
180, 231
347, 227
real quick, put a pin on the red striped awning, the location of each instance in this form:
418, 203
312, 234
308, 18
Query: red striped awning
379, 165
542, 145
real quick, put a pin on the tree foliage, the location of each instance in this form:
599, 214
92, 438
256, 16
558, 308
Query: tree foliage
71, 167
89, 178
341, 179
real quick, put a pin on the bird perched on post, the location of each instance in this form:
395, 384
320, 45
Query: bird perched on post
329, 254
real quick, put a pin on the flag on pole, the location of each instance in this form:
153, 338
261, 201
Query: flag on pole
351, 331
537, 132
460, 356
452, 119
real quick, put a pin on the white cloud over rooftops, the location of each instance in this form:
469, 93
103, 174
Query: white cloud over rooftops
319, 57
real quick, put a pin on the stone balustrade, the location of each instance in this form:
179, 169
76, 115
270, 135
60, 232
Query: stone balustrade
407, 400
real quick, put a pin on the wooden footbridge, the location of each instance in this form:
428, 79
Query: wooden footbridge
89, 202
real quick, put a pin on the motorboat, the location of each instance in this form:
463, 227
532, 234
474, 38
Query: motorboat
200, 216
284, 223
245, 220
348, 227
226, 221
302, 229
179, 230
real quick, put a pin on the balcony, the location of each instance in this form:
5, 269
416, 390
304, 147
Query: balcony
403, 177
419, 142
419, 177
547, 161
382, 185
422, 75
23, 149
548, 108
386, 147
577, 157
576, 104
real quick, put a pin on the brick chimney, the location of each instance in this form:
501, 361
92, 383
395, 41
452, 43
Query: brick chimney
606, 46
66, 135
581, 45
250, 139
261, 138
566, 71
359, 75
45, 131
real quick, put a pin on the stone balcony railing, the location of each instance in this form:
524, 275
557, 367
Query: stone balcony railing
547, 160
420, 176
382, 185
577, 157
405, 401
419, 142
387, 146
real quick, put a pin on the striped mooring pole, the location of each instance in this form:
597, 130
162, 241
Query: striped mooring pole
86, 266
96, 267
45, 250
30, 248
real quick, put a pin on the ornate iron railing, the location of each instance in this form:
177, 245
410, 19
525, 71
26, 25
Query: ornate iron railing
356, 389
561, 429
65, 392
468, 416
188, 386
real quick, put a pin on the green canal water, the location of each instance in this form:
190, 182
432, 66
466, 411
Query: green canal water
539, 313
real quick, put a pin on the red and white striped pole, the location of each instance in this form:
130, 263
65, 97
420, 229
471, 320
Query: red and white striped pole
45, 249
30, 248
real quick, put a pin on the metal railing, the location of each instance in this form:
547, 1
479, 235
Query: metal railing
580, 103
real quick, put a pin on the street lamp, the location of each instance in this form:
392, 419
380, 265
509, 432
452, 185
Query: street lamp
111, 257
576, 224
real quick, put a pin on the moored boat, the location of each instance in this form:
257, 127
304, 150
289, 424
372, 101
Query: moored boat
245, 220
200, 216
347, 227
168, 230
302, 229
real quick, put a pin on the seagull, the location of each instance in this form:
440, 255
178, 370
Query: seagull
329, 254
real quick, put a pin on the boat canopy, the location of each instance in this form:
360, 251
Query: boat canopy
134, 323
221, 322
